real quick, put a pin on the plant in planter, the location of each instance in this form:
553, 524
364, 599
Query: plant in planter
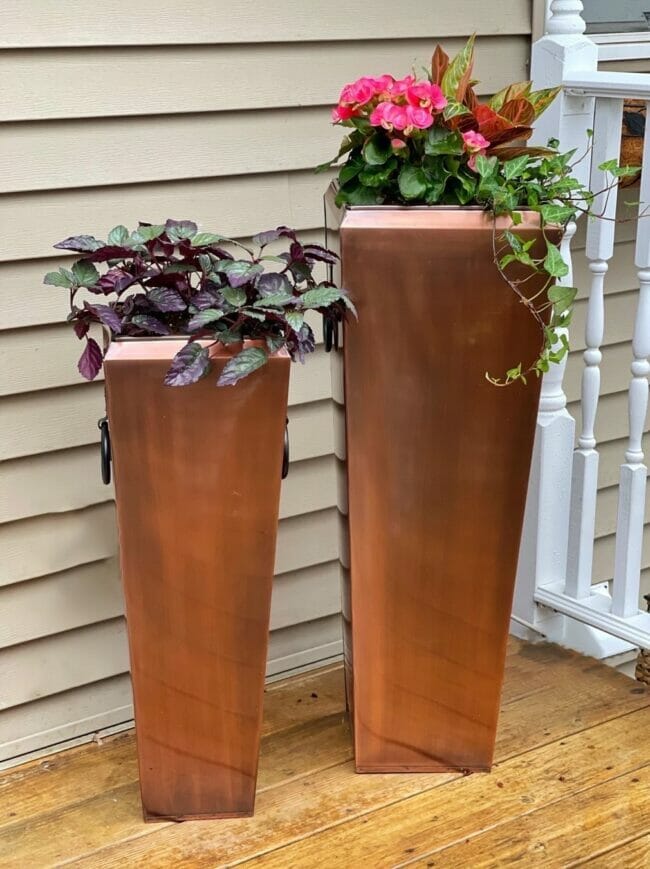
197, 477
467, 237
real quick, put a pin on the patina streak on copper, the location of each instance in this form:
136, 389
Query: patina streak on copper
438, 462
197, 475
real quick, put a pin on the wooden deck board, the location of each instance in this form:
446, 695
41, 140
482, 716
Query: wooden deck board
571, 786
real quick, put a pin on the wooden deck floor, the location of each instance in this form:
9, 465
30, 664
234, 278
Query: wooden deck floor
571, 787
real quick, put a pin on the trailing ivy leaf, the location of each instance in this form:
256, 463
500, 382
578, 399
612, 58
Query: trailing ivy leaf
241, 365
204, 318
191, 363
150, 324
167, 299
514, 168
487, 167
562, 297
554, 265
90, 361
617, 171
558, 214
377, 150
85, 273
80, 243
119, 235
62, 278
235, 296
412, 182
295, 319
439, 140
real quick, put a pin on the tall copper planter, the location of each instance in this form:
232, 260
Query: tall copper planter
197, 475
437, 464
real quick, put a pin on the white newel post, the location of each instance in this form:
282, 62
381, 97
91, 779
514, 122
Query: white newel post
543, 553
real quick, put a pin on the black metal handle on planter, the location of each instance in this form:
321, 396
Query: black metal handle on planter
330, 333
105, 449
285, 454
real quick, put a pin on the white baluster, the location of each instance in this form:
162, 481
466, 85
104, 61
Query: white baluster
566, 18
632, 490
600, 248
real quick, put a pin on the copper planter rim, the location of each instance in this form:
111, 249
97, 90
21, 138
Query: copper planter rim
161, 341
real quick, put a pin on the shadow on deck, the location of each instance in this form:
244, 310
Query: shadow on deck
571, 786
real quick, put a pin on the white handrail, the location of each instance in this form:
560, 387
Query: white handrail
602, 83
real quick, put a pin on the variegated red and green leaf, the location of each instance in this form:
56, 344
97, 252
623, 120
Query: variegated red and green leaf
458, 74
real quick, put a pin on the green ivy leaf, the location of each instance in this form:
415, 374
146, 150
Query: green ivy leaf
487, 167
554, 265
514, 168
553, 213
412, 182
562, 297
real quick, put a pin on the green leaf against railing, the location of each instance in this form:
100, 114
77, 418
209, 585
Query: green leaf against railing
554, 265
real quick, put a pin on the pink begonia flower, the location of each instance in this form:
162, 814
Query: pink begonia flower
342, 113
397, 144
401, 85
389, 116
418, 118
426, 95
475, 142
358, 93
383, 84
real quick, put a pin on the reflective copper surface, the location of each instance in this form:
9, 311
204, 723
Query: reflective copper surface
437, 467
197, 475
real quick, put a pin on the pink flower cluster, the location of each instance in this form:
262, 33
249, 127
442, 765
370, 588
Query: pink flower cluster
404, 105
475, 143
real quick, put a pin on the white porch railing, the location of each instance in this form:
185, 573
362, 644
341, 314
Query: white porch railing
554, 594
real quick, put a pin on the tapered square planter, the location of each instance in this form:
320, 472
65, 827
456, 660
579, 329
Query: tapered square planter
197, 475
436, 472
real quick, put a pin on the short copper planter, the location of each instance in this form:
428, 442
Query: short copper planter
197, 474
437, 463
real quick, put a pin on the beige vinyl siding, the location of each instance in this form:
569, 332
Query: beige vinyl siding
112, 116
621, 297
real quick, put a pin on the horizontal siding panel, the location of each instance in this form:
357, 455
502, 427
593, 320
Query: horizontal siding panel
620, 310
45, 84
304, 644
61, 662
603, 564
57, 419
24, 280
612, 454
88, 153
46, 358
70, 480
49, 544
92, 593
611, 421
113, 22
65, 716
615, 370
606, 510
50, 605
262, 201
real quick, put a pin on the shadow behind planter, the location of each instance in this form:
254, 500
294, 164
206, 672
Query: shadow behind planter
197, 475
437, 471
